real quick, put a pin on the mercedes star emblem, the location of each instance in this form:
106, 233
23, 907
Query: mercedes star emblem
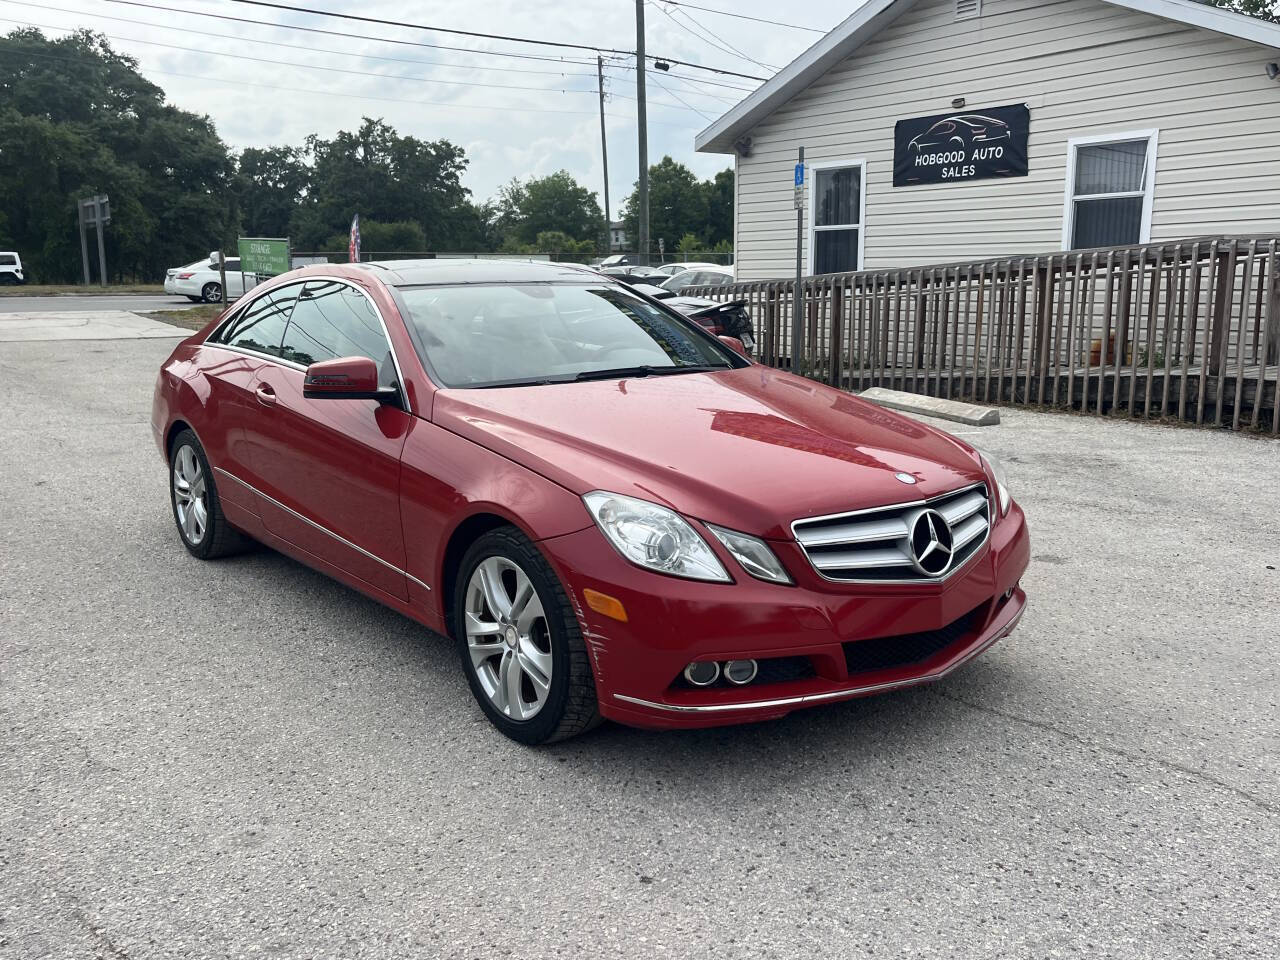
931, 543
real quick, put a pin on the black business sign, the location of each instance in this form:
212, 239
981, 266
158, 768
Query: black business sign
964, 145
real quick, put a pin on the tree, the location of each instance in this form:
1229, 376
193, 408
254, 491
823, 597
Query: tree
1262, 9
679, 204
404, 236
553, 204
269, 184
385, 177
89, 123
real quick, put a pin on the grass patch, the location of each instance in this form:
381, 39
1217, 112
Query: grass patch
189, 318
71, 289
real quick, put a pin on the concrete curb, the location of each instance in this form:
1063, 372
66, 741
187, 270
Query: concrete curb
954, 410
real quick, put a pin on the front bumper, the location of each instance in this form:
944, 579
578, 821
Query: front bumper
671, 622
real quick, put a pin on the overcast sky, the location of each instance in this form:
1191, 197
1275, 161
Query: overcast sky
550, 122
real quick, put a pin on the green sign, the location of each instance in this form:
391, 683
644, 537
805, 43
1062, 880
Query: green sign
264, 255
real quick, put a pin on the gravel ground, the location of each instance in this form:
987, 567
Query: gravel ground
244, 759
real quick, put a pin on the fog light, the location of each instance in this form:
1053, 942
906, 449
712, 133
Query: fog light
740, 672
702, 673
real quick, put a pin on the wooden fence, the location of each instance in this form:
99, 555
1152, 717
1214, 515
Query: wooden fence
1188, 329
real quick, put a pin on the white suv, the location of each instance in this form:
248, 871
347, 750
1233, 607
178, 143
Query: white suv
11, 268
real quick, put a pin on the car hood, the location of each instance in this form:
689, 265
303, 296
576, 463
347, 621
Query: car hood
751, 449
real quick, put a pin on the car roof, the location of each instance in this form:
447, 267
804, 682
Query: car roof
410, 273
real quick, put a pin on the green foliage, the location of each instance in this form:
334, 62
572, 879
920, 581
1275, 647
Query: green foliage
76, 119
385, 178
680, 204
1262, 9
557, 203
269, 184
403, 236
689, 243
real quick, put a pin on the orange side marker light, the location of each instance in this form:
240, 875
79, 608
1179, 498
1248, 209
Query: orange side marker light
603, 603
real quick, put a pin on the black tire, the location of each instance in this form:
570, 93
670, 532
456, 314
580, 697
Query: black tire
570, 707
194, 299
218, 538
211, 293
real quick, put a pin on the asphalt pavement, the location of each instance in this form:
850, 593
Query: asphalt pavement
245, 759
78, 304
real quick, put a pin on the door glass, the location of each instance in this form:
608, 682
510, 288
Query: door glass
334, 320
261, 325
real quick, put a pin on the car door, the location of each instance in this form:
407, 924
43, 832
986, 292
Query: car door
249, 338
328, 470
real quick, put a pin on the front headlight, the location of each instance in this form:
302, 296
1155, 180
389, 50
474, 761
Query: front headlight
654, 537
1002, 488
753, 553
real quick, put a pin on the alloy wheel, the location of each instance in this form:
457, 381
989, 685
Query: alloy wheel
190, 495
508, 638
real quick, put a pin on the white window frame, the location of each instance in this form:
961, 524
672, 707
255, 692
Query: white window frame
1148, 180
811, 171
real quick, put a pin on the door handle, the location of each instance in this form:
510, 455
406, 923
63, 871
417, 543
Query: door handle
266, 396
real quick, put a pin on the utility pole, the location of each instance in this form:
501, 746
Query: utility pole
604, 156
642, 192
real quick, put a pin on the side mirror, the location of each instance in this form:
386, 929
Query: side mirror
347, 378
733, 343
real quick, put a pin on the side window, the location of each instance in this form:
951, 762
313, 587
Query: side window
232, 265
334, 320
260, 326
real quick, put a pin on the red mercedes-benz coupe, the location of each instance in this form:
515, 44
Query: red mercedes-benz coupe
612, 512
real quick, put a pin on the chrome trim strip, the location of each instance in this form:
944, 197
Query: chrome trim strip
245, 303
913, 581
809, 698
312, 523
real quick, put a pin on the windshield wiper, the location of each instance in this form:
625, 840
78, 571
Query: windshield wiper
648, 371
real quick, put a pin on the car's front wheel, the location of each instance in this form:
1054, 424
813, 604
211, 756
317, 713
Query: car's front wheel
212, 293
205, 532
520, 643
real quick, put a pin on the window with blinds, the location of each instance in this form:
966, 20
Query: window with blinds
1110, 193
836, 232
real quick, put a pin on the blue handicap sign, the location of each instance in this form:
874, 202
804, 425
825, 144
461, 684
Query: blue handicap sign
799, 174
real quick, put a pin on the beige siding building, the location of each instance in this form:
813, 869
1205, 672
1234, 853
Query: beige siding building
1148, 120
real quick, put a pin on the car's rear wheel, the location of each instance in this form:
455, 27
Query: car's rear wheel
205, 532
519, 640
211, 293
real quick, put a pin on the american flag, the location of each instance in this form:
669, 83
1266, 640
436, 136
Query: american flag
353, 248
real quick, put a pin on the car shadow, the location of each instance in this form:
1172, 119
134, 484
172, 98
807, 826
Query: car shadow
832, 740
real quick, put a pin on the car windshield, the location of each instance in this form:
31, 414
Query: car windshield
522, 334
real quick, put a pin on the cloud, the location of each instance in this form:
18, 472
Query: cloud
547, 120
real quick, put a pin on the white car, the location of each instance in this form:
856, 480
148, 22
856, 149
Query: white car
671, 269
202, 281
712, 275
11, 268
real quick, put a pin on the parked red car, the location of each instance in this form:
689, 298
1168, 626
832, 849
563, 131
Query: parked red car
612, 512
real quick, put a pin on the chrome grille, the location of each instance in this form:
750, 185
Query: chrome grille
892, 544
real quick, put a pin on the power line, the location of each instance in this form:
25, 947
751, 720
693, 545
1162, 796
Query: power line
472, 33
311, 49
742, 16
740, 53
705, 37
350, 96
677, 96
360, 73
343, 33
